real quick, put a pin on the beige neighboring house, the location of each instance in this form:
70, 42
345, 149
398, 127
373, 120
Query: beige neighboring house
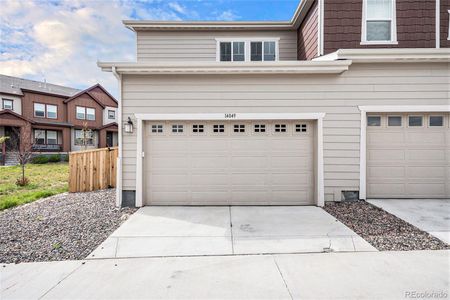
287, 113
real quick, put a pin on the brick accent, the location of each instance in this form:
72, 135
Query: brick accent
307, 35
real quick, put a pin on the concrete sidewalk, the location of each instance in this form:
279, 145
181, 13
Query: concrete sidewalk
363, 275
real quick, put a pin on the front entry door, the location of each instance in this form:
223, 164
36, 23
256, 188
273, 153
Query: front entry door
109, 139
13, 142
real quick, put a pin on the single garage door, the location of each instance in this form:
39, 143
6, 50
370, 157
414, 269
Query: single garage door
408, 156
229, 163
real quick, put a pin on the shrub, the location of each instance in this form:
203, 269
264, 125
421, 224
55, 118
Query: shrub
39, 160
54, 158
22, 181
64, 157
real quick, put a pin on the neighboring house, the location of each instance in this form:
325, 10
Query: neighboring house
53, 116
349, 99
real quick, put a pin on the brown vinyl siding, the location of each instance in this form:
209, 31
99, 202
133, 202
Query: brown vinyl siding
343, 21
445, 7
307, 39
85, 101
104, 98
29, 99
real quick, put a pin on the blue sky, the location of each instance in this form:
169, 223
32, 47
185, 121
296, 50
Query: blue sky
61, 41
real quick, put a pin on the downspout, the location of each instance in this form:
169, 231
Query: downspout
119, 127
321, 10
438, 24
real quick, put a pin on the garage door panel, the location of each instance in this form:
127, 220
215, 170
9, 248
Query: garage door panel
229, 168
385, 155
382, 172
408, 162
426, 154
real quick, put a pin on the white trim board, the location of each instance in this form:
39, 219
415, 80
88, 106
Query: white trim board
363, 136
319, 178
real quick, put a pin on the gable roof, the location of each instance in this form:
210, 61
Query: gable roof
15, 86
10, 112
88, 92
294, 23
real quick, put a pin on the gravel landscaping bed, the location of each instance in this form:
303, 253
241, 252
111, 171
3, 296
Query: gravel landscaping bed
381, 229
65, 226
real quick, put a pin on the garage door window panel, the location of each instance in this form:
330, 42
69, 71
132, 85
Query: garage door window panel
436, 121
374, 121
198, 128
259, 128
280, 128
301, 128
395, 121
157, 128
177, 128
239, 128
415, 121
219, 128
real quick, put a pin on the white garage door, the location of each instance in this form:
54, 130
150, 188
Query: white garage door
408, 156
229, 163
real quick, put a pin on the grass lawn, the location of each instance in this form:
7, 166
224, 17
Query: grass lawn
45, 180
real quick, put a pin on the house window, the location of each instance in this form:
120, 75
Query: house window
300, 127
239, 128
7, 104
39, 110
85, 113
81, 113
84, 136
52, 137
374, 121
280, 127
157, 128
197, 128
379, 24
90, 114
436, 121
247, 50
415, 121
394, 121
177, 128
260, 127
39, 137
219, 128
52, 111
263, 51
111, 114
45, 137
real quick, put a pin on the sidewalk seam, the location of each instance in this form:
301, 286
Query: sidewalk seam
65, 277
231, 232
282, 277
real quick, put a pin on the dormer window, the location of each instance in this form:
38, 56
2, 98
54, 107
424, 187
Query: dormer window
379, 22
247, 50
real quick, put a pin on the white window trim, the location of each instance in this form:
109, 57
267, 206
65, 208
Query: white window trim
393, 40
9, 100
34, 110
46, 111
319, 173
247, 42
363, 132
448, 28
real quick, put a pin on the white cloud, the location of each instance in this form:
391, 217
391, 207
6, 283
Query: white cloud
62, 41
177, 7
227, 15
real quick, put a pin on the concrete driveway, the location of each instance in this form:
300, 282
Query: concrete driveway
161, 231
430, 215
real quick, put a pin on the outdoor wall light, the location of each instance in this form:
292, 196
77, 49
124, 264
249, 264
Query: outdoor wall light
129, 126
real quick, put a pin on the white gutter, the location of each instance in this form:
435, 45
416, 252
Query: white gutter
284, 67
119, 158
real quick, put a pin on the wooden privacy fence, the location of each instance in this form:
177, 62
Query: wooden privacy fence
92, 170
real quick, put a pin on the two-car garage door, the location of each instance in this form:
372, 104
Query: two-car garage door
229, 163
408, 155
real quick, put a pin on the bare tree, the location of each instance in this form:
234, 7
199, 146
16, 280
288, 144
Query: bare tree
22, 144
86, 135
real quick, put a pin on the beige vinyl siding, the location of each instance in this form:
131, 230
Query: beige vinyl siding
201, 45
336, 95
